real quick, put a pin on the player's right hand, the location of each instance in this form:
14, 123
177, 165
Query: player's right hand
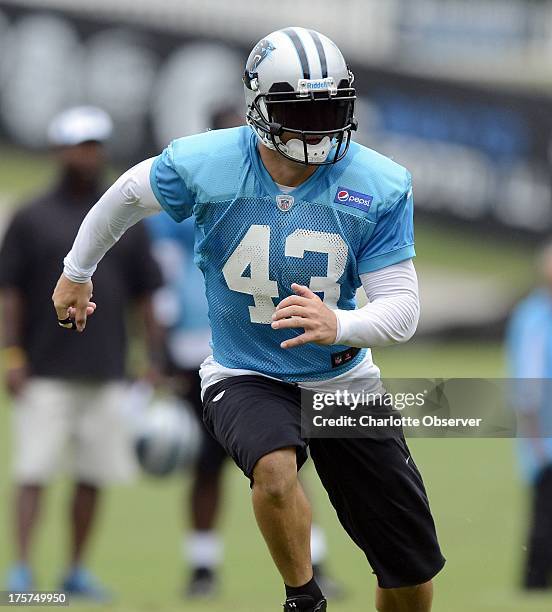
72, 300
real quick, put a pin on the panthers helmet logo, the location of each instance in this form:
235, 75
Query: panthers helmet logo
259, 53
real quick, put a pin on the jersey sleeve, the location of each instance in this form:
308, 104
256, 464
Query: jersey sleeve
170, 186
392, 240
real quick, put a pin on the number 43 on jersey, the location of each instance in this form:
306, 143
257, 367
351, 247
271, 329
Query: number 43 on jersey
253, 252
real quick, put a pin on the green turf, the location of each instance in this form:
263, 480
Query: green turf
440, 246
477, 499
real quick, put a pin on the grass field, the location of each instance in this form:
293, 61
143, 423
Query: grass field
477, 499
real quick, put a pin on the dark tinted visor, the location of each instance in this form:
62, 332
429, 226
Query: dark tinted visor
311, 115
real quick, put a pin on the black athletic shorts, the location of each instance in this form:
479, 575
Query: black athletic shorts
373, 484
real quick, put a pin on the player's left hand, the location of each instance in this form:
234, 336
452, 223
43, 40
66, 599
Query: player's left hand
306, 310
72, 302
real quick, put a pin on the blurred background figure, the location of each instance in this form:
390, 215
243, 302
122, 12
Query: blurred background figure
530, 357
61, 394
181, 309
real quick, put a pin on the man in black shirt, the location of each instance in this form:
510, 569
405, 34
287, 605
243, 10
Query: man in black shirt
69, 386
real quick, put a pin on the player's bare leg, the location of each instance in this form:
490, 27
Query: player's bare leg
27, 508
83, 513
408, 599
203, 546
283, 515
205, 500
26, 511
78, 581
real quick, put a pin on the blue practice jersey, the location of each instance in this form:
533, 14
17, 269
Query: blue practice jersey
253, 241
174, 246
529, 344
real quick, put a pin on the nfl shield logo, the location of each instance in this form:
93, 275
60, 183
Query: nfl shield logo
284, 202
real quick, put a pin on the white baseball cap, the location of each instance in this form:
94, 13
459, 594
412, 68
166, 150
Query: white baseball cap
80, 124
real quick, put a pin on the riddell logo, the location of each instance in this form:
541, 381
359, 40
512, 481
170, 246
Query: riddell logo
316, 85
352, 198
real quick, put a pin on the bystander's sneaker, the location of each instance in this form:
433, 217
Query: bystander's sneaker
19, 578
203, 584
81, 583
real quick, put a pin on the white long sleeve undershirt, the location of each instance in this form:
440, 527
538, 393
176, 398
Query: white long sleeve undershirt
392, 313
129, 200
390, 316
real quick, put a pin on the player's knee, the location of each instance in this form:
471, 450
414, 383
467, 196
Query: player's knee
404, 599
275, 475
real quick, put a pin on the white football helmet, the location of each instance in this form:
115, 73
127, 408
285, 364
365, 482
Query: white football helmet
297, 83
168, 436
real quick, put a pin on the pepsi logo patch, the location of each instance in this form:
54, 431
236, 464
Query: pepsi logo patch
348, 197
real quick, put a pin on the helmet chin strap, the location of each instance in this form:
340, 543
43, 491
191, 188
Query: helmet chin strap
315, 152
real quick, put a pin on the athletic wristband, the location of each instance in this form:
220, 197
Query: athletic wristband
14, 357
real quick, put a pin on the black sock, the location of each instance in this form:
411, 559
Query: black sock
311, 588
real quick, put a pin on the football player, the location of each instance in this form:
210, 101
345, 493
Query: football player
291, 218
